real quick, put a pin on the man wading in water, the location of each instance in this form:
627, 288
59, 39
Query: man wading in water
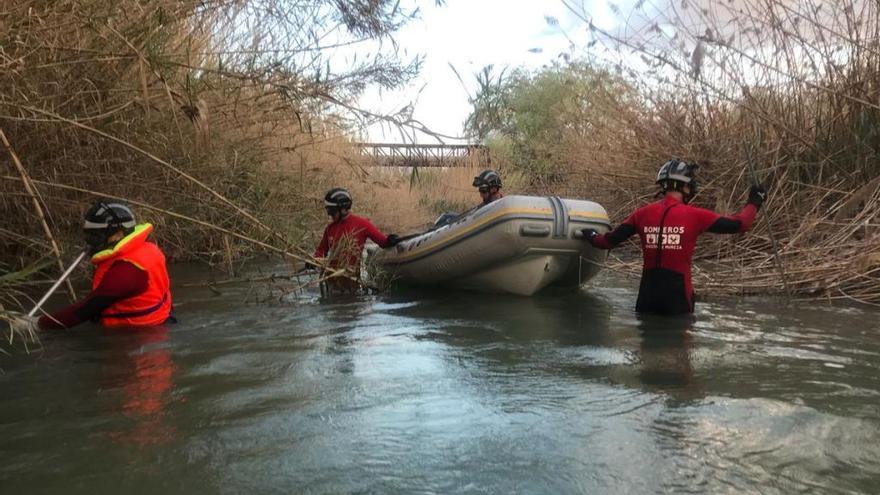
344, 238
130, 287
668, 230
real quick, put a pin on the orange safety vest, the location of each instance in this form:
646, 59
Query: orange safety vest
149, 308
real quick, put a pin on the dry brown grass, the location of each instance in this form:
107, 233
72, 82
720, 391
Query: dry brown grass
213, 116
404, 201
792, 83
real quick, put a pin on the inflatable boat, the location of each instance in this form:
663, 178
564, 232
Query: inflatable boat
517, 244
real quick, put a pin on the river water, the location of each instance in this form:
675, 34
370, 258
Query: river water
431, 392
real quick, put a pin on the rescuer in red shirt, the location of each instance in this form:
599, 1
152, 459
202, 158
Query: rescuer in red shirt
488, 184
130, 287
345, 236
668, 230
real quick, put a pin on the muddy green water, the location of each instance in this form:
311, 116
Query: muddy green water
429, 392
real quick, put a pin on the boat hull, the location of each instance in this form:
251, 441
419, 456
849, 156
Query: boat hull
518, 244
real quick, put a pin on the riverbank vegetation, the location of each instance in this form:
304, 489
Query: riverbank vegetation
776, 92
213, 118
406, 201
221, 122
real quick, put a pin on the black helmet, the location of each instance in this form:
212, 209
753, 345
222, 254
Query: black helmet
488, 178
676, 173
337, 198
105, 219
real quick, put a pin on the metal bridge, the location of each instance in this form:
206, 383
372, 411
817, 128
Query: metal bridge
425, 155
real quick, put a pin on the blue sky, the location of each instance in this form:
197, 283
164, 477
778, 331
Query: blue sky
470, 34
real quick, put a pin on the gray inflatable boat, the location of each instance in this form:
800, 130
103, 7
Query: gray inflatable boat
517, 244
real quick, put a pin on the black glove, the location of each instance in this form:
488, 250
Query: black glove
392, 241
306, 267
589, 234
757, 194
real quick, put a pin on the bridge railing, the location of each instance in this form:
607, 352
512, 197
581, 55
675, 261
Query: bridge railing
424, 155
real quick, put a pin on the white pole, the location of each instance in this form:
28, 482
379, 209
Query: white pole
58, 283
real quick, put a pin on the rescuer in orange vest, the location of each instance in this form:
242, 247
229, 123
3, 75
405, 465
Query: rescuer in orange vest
130, 288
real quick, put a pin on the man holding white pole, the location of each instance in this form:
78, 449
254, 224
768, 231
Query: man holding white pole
130, 287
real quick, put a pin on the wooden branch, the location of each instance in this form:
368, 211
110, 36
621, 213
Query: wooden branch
26, 181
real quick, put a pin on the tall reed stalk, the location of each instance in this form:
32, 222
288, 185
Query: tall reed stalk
214, 114
795, 81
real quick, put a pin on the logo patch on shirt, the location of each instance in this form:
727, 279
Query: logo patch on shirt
670, 237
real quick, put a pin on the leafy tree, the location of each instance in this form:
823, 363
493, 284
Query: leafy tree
488, 104
540, 117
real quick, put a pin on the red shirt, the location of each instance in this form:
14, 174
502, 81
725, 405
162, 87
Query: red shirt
344, 239
681, 226
123, 280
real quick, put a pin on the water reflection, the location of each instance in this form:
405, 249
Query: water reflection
140, 368
666, 357
423, 392
565, 334
565, 318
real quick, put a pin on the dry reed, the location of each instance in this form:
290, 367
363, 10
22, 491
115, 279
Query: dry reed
794, 81
214, 116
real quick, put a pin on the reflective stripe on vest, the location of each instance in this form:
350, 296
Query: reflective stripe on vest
143, 312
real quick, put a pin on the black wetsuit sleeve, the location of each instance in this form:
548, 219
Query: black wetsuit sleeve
725, 225
623, 232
